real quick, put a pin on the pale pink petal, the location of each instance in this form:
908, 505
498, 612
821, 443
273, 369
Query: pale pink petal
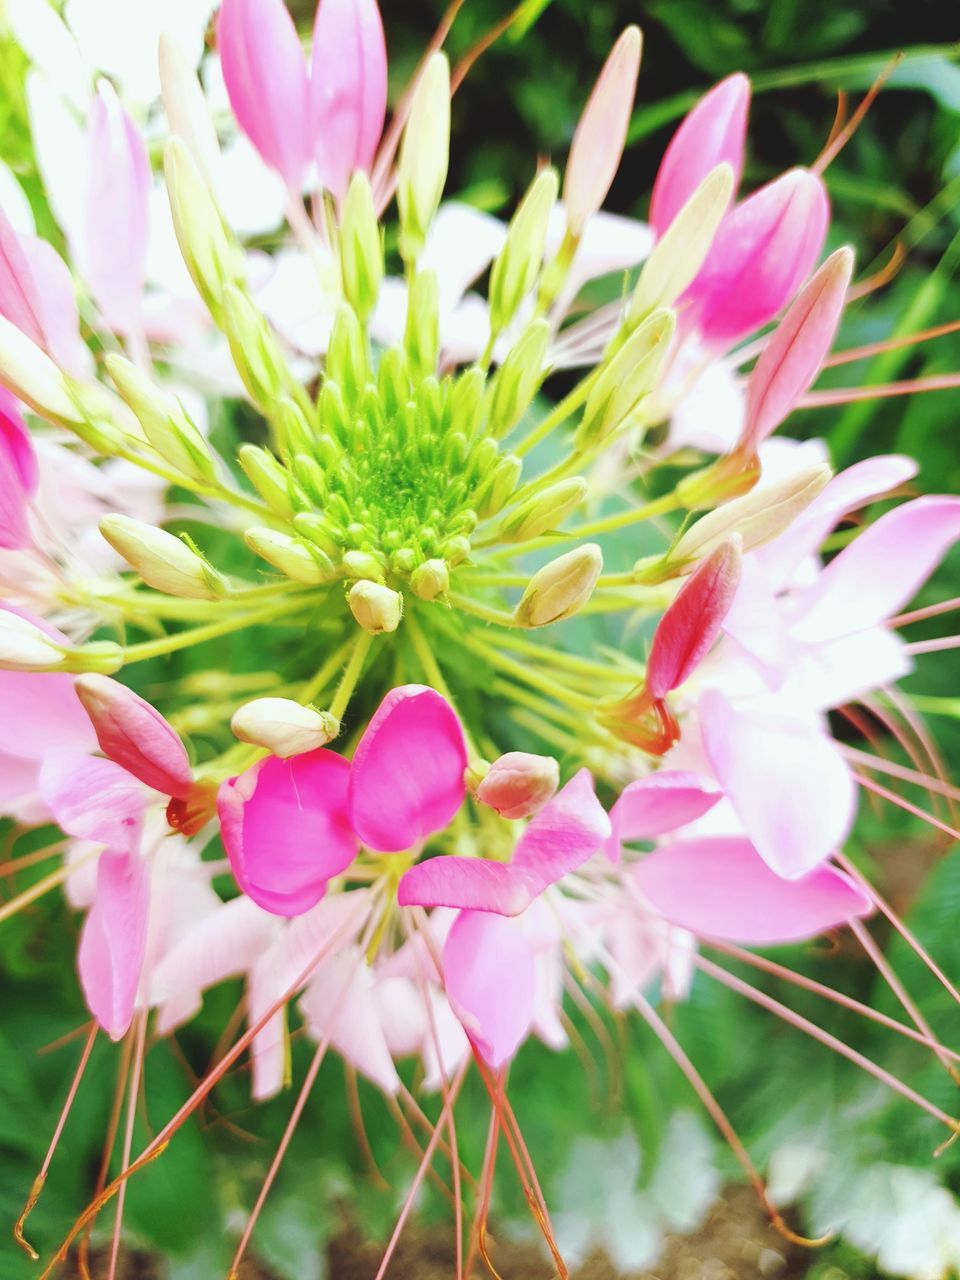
41, 712
286, 829
880, 571
563, 835
656, 805
720, 887
490, 980
19, 295
405, 1021
93, 799
135, 735
756, 622
57, 306
340, 1002
266, 77
116, 223
713, 133
446, 1046
113, 941
407, 776
348, 89
764, 250
786, 780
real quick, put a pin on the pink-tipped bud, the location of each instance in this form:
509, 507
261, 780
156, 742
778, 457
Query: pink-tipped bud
797, 349
518, 784
135, 735
762, 253
348, 89
265, 72
602, 132
692, 623
713, 133
18, 474
117, 210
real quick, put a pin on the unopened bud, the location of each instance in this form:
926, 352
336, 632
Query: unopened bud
363, 564
292, 557
494, 492
34, 378
424, 156
165, 422
361, 247
24, 646
212, 256
430, 579
466, 400
544, 511
680, 253
626, 379
518, 263
255, 350
518, 379
518, 784
422, 337
272, 481
162, 560
185, 107
561, 588
347, 356
375, 607
284, 727
135, 735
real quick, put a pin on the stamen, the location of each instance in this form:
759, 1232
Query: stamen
934, 646
883, 391
906, 805
139, 1037
890, 344
876, 765
838, 141
359, 1128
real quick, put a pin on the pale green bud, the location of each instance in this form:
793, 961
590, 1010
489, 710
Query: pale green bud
561, 588
493, 493
518, 263
255, 350
680, 252
626, 379
106, 424
455, 550
212, 256
362, 564
34, 378
347, 361
375, 607
430, 579
284, 727
272, 481
393, 378
466, 400
361, 247
185, 107
332, 410
316, 529
422, 336
163, 561
312, 477
518, 379
424, 156
294, 430
165, 422
25, 647
542, 512
292, 557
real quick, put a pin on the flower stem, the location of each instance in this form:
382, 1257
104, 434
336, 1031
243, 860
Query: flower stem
567, 406
351, 674
213, 631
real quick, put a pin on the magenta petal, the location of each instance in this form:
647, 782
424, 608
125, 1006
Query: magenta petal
265, 72
720, 887
490, 978
656, 805
135, 735
713, 133
348, 89
407, 778
286, 829
93, 799
113, 941
16, 444
786, 780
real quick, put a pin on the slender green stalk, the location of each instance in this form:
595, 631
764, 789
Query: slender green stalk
199, 635
483, 611
351, 674
567, 406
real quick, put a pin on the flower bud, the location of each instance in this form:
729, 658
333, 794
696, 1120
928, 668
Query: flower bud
162, 560
542, 512
135, 735
626, 379
495, 491
679, 254
24, 646
601, 133
283, 727
347, 355
713, 133
517, 380
424, 156
561, 588
421, 339
518, 263
185, 107
518, 784
363, 564
272, 481
165, 422
255, 350
212, 256
430, 579
361, 248
375, 607
292, 557
34, 378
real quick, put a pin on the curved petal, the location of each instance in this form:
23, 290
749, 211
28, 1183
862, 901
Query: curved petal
656, 805
407, 776
286, 829
93, 799
720, 887
340, 1002
786, 780
490, 978
113, 941
135, 735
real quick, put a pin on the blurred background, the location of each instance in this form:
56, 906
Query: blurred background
626, 1157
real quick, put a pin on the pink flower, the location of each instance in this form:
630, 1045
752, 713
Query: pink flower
135, 735
713, 133
36, 295
289, 826
19, 476
653, 806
